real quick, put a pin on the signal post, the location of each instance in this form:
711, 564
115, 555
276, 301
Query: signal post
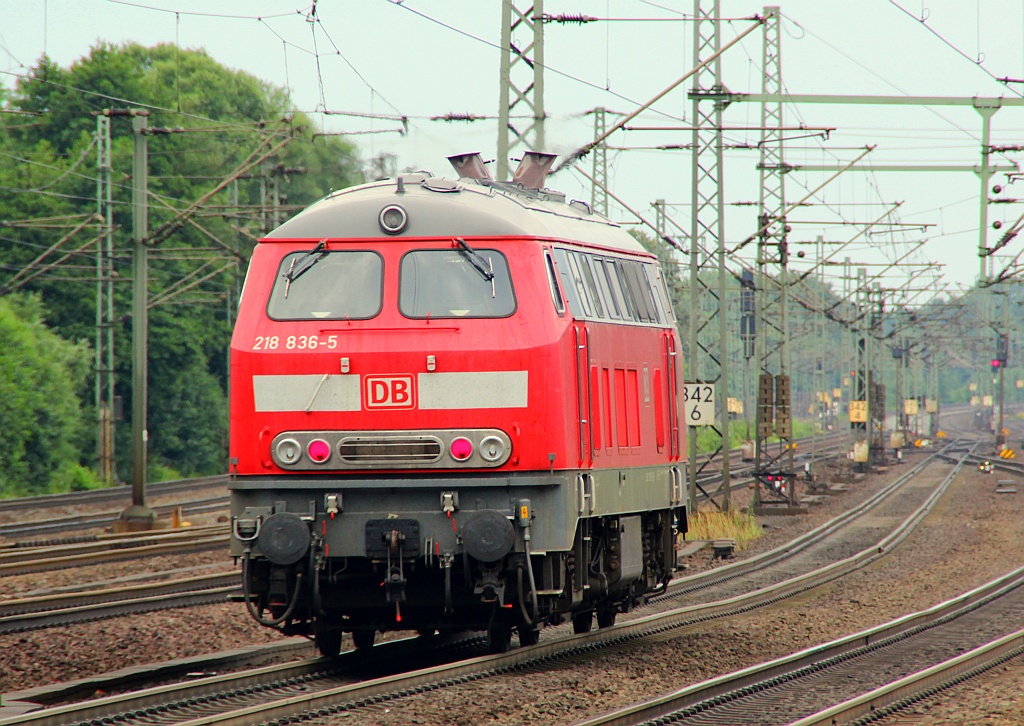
999, 366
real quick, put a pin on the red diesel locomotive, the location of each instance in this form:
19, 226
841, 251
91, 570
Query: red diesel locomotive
455, 405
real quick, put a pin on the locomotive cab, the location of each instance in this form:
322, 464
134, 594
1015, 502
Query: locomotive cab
453, 408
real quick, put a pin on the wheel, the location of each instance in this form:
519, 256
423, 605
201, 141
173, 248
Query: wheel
328, 642
363, 638
528, 634
499, 637
581, 622
606, 617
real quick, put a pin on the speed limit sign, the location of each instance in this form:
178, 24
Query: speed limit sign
699, 404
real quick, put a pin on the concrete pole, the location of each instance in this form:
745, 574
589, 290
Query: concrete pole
138, 515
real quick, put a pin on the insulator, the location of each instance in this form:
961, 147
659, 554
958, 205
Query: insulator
568, 18
455, 117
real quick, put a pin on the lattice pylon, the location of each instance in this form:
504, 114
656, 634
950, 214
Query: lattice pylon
773, 448
104, 365
521, 86
708, 342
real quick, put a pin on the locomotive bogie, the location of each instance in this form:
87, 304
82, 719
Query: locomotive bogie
432, 569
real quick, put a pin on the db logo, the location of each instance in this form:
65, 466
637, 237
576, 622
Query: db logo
388, 392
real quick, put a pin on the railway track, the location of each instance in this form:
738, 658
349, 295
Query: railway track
44, 527
55, 609
121, 493
95, 603
893, 698
766, 567
802, 688
325, 691
33, 556
85, 601
45, 611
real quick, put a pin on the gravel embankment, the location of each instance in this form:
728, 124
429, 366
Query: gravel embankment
55, 655
972, 537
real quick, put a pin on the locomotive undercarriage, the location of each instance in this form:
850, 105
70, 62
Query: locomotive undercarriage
497, 571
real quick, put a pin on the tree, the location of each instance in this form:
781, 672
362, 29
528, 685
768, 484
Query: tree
41, 377
213, 118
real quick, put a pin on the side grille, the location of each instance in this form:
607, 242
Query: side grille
366, 450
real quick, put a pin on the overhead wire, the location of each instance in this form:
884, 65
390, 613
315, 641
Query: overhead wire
64, 174
309, 16
825, 150
355, 70
25, 273
978, 61
590, 84
201, 14
138, 104
878, 76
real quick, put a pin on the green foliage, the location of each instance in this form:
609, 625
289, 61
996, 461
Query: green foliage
159, 472
40, 379
216, 118
709, 440
76, 478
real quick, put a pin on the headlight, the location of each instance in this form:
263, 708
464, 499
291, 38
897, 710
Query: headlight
392, 219
288, 451
492, 448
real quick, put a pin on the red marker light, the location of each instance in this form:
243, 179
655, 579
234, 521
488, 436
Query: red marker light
461, 449
319, 450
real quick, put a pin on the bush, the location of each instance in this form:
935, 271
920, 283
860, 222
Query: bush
159, 472
76, 478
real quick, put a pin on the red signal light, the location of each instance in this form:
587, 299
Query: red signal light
319, 450
995, 363
461, 448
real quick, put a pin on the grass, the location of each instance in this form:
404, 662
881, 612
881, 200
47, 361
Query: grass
735, 524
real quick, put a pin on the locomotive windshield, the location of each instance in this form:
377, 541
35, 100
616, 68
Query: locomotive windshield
450, 284
340, 286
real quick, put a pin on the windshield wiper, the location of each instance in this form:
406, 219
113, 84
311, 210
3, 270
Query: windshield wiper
478, 262
484, 266
304, 264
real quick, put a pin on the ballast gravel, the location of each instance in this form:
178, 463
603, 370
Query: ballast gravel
974, 535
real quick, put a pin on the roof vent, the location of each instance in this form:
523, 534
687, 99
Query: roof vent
533, 169
440, 184
470, 166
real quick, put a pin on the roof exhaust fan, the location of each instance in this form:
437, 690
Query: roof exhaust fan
533, 169
470, 166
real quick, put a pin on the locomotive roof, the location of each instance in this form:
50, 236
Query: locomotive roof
438, 207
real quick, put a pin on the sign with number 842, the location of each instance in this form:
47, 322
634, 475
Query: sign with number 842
699, 404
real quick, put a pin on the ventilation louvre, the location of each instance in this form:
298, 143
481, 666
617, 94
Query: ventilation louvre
390, 449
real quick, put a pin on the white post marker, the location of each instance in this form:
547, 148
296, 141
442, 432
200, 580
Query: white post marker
699, 404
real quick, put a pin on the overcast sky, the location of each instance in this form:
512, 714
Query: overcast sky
425, 58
